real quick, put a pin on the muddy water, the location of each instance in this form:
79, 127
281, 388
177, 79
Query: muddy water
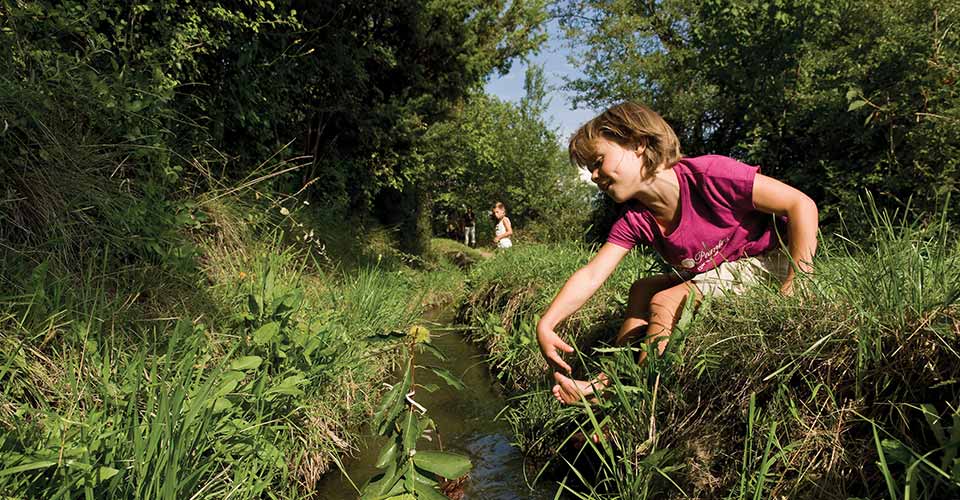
467, 425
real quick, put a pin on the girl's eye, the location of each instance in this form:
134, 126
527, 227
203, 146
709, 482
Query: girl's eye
597, 163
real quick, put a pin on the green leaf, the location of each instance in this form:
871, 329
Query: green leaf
104, 473
856, 105
378, 488
387, 454
896, 450
43, 464
266, 333
448, 377
428, 492
253, 304
442, 463
410, 431
395, 401
228, 383
246, 363
221, 404
427, 346
289, 385
386, 404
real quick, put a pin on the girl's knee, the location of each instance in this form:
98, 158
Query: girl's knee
643, 290
668, 299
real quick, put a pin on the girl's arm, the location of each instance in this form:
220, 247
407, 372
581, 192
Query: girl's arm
574, 293
775, 197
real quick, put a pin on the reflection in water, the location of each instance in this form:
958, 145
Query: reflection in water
467, 425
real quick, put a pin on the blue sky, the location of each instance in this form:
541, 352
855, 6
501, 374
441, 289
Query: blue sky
553, 57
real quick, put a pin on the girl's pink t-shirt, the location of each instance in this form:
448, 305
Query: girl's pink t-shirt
718, 222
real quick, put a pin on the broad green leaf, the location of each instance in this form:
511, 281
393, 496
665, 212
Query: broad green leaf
442, 463
246, 363
266, 333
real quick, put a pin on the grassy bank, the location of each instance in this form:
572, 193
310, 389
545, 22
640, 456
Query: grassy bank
848, 390
243, 376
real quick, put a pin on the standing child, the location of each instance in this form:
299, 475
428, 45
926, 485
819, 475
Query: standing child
470, 228
709, 217
504, 229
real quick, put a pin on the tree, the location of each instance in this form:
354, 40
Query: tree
834, 97
493, 150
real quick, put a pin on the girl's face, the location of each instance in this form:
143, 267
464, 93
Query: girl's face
499, 213
616, 169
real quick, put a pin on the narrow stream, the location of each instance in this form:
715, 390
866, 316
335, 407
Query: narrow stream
467, 425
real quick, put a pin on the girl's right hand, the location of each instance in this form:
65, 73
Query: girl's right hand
550, 343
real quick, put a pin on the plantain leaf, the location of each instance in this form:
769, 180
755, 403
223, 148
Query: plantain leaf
266, 333
246, 363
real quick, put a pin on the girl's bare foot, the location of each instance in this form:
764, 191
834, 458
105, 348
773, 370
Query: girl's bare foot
569, 391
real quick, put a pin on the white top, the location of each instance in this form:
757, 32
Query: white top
505, 242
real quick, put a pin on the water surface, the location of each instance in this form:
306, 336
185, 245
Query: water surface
467, 424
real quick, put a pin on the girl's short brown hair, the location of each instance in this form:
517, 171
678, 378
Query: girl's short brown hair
628, 124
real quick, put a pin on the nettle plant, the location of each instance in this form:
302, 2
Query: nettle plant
410, 472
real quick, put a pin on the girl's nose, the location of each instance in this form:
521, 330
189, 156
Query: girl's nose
595, 175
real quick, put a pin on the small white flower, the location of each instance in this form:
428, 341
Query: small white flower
305, 202
284, 211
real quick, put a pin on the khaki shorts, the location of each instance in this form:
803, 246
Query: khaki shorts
735, 277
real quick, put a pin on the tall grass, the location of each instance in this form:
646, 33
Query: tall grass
247, 386
846, 390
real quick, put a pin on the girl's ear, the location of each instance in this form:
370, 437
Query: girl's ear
641, 147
